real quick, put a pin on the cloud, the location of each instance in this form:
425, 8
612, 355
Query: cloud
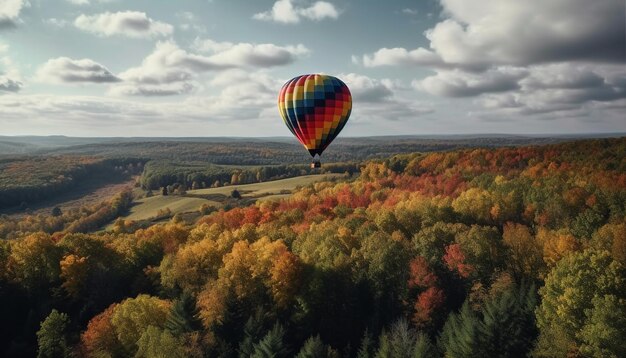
78, 2
67, 70
479, 34
124, 23
561, 88
10, 79
170, 70
9, 85
457, 83
400, 56
410, 11
247, 54
376, 100
285, 12
56, 22
10, 12
366, 89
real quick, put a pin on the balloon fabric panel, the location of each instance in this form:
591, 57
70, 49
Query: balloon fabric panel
315, 108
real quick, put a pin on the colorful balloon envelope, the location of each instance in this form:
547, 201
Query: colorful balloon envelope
315, 108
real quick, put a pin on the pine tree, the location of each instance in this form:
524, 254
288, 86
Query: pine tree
253, 332
504, 328
183, 317
404, 342
315, 348
272, 345
508, 325
459, 337
367, 346
51, 337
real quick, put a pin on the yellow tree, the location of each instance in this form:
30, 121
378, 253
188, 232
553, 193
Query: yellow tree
526, 257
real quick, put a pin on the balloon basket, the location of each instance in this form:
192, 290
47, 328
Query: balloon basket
315, 165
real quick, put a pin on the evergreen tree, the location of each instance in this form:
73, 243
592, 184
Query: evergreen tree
403, 342
459, 337
272, 345
315, 348
367, 346
52, 336
253, 332
183, 317
508, 325
504, 328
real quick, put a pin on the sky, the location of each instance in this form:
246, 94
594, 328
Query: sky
215, 67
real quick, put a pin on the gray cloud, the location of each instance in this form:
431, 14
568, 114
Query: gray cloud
9, 85
561, 87
67, 70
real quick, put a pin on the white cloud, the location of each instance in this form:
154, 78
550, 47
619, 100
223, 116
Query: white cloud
367, 89
124, 23
67, 70
478, 34
376, 100
284, 11
248, 54
10, 12
457, 83
400, 56
410, 11
10, 79
56, 22
170, 70
78, 2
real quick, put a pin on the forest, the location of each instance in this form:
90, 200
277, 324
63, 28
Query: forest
479, 252
28, 180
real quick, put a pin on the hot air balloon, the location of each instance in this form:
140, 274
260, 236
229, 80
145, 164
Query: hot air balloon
315, 108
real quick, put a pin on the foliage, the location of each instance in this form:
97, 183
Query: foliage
449, 247
51, 337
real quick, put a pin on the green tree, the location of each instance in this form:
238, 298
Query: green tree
272, 345
52, 336
403, 342
366, 350
253, 332
315, 348
604, 332
133, 316
459, 336
573, 288
159, 343
508, 327
183, 317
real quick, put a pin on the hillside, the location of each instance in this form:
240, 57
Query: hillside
473, 252
159, 206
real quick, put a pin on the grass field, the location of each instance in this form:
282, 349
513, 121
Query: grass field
148, 208
258, 190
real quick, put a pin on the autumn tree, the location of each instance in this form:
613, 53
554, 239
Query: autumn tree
575, 298
133, 316
526, 258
